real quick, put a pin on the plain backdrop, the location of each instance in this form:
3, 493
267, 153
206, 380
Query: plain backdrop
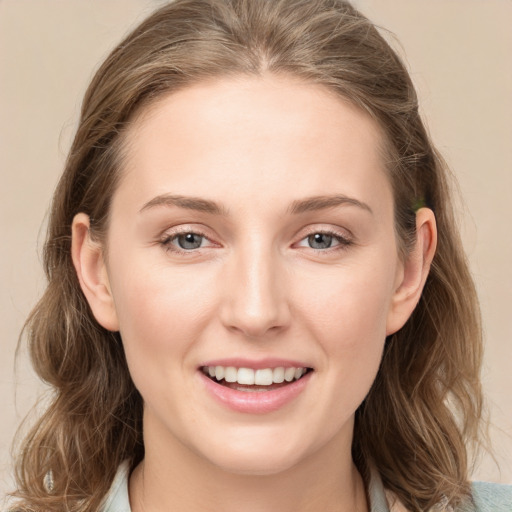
459, 53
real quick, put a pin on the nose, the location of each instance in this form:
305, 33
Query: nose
255, 294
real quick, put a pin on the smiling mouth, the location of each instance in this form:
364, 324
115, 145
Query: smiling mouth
247, 379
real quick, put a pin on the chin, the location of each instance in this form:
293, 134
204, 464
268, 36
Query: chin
255, 459
255, 466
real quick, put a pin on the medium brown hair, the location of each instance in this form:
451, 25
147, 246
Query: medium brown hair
425, 404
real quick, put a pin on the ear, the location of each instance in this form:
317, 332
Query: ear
414, 271
92, 274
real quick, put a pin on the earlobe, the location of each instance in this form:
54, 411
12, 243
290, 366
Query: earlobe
92, 274
415, 271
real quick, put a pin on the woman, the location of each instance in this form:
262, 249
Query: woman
257, 296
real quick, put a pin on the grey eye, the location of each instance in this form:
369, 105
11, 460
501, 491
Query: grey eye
189, 241
320, 241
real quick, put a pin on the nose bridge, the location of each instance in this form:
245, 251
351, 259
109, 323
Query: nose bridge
255, 301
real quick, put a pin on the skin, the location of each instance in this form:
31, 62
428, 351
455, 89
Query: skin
254, 289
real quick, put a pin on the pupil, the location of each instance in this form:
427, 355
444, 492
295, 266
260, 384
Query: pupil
189, 241
320, 241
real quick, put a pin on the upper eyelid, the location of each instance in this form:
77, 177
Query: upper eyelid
179, 230
343, 233
334, 234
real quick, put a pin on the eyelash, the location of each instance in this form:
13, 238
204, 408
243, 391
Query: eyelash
342, 239
167, 240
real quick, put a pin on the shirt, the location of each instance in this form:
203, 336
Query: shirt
488, 497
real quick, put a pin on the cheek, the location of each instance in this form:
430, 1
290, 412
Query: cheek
162, 314
347, 314
160, 310
349, 306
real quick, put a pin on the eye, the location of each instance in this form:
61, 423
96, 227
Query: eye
322, 240
188, 241
185, 241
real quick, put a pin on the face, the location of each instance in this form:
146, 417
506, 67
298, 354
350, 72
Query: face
253, 228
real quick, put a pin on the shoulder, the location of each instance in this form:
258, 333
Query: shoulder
489, 497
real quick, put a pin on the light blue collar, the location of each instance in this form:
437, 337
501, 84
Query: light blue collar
487, 497
117, 499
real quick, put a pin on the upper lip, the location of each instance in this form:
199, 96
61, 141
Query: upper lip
256, 364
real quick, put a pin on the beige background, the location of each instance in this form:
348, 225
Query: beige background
459, 52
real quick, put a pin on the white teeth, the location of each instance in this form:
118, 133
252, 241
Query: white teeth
260, 377
278, 375
289, 374
219, 372
263, 377
245, 376
230, 375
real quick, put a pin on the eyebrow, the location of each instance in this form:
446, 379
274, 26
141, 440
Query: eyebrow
187, 202
323, 202
308, 204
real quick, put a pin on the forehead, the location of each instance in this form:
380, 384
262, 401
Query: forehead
273, 136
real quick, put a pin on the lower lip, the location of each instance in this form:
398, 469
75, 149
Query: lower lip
255, 402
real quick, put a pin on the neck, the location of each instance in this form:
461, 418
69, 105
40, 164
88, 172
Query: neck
326, 480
